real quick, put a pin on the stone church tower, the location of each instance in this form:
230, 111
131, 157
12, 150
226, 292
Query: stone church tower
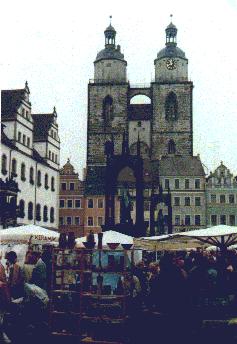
162, 125
107, 100
172, 101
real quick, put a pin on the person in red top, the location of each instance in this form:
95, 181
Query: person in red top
15, 281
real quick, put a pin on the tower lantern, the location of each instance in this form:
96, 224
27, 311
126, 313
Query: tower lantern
171, 33
110, 34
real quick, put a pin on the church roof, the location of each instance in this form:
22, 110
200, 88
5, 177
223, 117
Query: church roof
171, 51
110, 28
179, 165
110, 53
42, 124
10, 102
170, 166
5, 140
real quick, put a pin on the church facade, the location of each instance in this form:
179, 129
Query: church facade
162, 122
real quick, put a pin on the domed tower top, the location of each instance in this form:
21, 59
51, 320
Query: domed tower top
171, 33
171, 62
110, 35
115, 69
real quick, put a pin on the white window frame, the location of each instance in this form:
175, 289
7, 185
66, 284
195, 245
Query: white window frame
195, 220
67, 217
98, 203
102, 217
77, 199
225, 218
88, 203
62, 187
234, 220
79, 223
190, 219
196, 179
179, 219
67, 203
177, 197
88, 221
61, 199
216, 219
196, 205
70, 184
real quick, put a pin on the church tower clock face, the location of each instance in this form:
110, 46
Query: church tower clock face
170, 64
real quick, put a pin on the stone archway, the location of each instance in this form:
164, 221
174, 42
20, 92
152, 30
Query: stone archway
115, 164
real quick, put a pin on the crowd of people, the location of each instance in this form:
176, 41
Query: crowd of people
186, 279
18, 283
177, 284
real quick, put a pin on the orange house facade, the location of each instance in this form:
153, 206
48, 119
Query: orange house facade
71, 201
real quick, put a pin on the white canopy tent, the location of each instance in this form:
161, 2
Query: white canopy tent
167, 242
108, 237
28, 234
221, 236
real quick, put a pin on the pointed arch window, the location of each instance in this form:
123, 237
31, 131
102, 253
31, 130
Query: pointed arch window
171, 147
108, 110
32, 175
38, 212
39, 178
30, 211
45, 213
52, 184
14, 168
4, 164
22, 208
52, 215
23, 172
171, 107
46, 181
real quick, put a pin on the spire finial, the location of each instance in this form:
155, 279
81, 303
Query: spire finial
26, 84
110, 18
171, 16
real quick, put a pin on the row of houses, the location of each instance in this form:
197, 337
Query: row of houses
196, 202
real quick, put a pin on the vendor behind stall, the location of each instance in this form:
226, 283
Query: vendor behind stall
39, 274
15, 280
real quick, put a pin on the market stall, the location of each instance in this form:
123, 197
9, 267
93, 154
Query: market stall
29, 234
19, 239
221, 236
167, 242
108, 237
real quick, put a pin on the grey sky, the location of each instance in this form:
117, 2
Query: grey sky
53, 44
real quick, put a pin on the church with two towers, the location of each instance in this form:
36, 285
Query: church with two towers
158, 116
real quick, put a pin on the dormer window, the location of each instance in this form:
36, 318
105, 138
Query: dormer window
52, 156
19, 136
27, 114
28, 142
24, 139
